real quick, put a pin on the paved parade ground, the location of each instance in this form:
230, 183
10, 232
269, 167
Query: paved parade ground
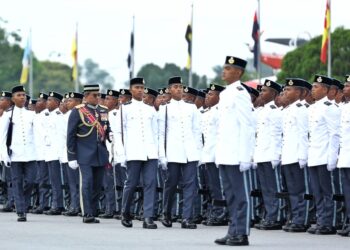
59, 232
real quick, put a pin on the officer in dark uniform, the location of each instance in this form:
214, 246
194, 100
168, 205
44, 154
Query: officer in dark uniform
88, 128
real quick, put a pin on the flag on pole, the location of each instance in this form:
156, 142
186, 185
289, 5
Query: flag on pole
256, 36
26, 63
131, 56
325, 37
188, 37
74, 52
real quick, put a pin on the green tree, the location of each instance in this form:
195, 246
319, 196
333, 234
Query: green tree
304, 62
93, 74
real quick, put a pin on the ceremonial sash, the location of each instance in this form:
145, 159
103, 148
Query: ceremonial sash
93, 122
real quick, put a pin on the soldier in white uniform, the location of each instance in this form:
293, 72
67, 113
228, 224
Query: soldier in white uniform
73, 99
19, 153
267, 155
136, 146
54, 145
324, 121
180, 143
294, 153
344, 159
234, 150
210, 119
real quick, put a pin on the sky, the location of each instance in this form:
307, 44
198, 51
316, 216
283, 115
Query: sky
220, 28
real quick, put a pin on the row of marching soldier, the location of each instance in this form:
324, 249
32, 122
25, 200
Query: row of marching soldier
273, 157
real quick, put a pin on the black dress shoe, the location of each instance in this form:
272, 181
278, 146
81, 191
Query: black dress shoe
149, 224
7, 209
312, 230
295, 228
126, 221
198, 219
167, 222
117, 216
188, 225
54, 211
71, 212
222, 241
216, 222
21, 217
37, 211
325, 230
106, 216
269, 225
239, 240
345, 231
90, 219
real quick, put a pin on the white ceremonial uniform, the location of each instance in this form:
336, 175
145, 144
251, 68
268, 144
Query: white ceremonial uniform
210, 119
344, 157
236, 126
39, 134
23, 145
54, 135
324, 122
183, 135
295, 133
137, 140
268, 134
112, 118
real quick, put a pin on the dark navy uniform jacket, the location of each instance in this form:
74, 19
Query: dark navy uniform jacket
84, 144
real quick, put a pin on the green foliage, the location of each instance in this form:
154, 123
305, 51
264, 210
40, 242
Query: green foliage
93, 74
157, 77
304, 62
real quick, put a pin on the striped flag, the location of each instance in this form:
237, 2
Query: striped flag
255, 36
26, 63
131, 56
326, 31
188, 37
74, 53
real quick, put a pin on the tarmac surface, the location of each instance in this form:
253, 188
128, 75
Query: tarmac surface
60, 232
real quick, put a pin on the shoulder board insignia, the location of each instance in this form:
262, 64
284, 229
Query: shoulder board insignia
327, 103
79, 106
47, 113
102, 106
114, 113
273, 106
240, 88
9, 109
299, 105
127, 103
336, 105
307, 105
58, 112
167, 102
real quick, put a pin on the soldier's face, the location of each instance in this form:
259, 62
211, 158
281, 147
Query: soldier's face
291, 94
40, 104
5, 103
176, 90
188, 97
52, 103
19, 99
230, 74
318, 91
346, 90
137, 91
148, 99
111, 102
266, 94
72, 102
212, 98
92, 97
166, 98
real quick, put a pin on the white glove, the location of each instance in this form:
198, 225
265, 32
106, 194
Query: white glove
162, 162
244, 166
6, 160
275, 163
331, 167
254, 165
302, 163
73, 164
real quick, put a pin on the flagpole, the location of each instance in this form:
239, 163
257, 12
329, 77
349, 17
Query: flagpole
329, 66
191, 55
259, 51
133, 49
76, 63
30, 65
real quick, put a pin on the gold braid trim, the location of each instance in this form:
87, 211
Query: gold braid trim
86, 124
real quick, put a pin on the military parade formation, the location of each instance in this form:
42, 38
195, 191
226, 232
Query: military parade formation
272, 158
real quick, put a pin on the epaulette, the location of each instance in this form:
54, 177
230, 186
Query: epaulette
327, 103
127, 103
102, 106
299, 105
9, 109
336, 105
79, 106
114, 113
58, 112
188, 102
273, 106
240, 88
167, 102
253, 109
307, 105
